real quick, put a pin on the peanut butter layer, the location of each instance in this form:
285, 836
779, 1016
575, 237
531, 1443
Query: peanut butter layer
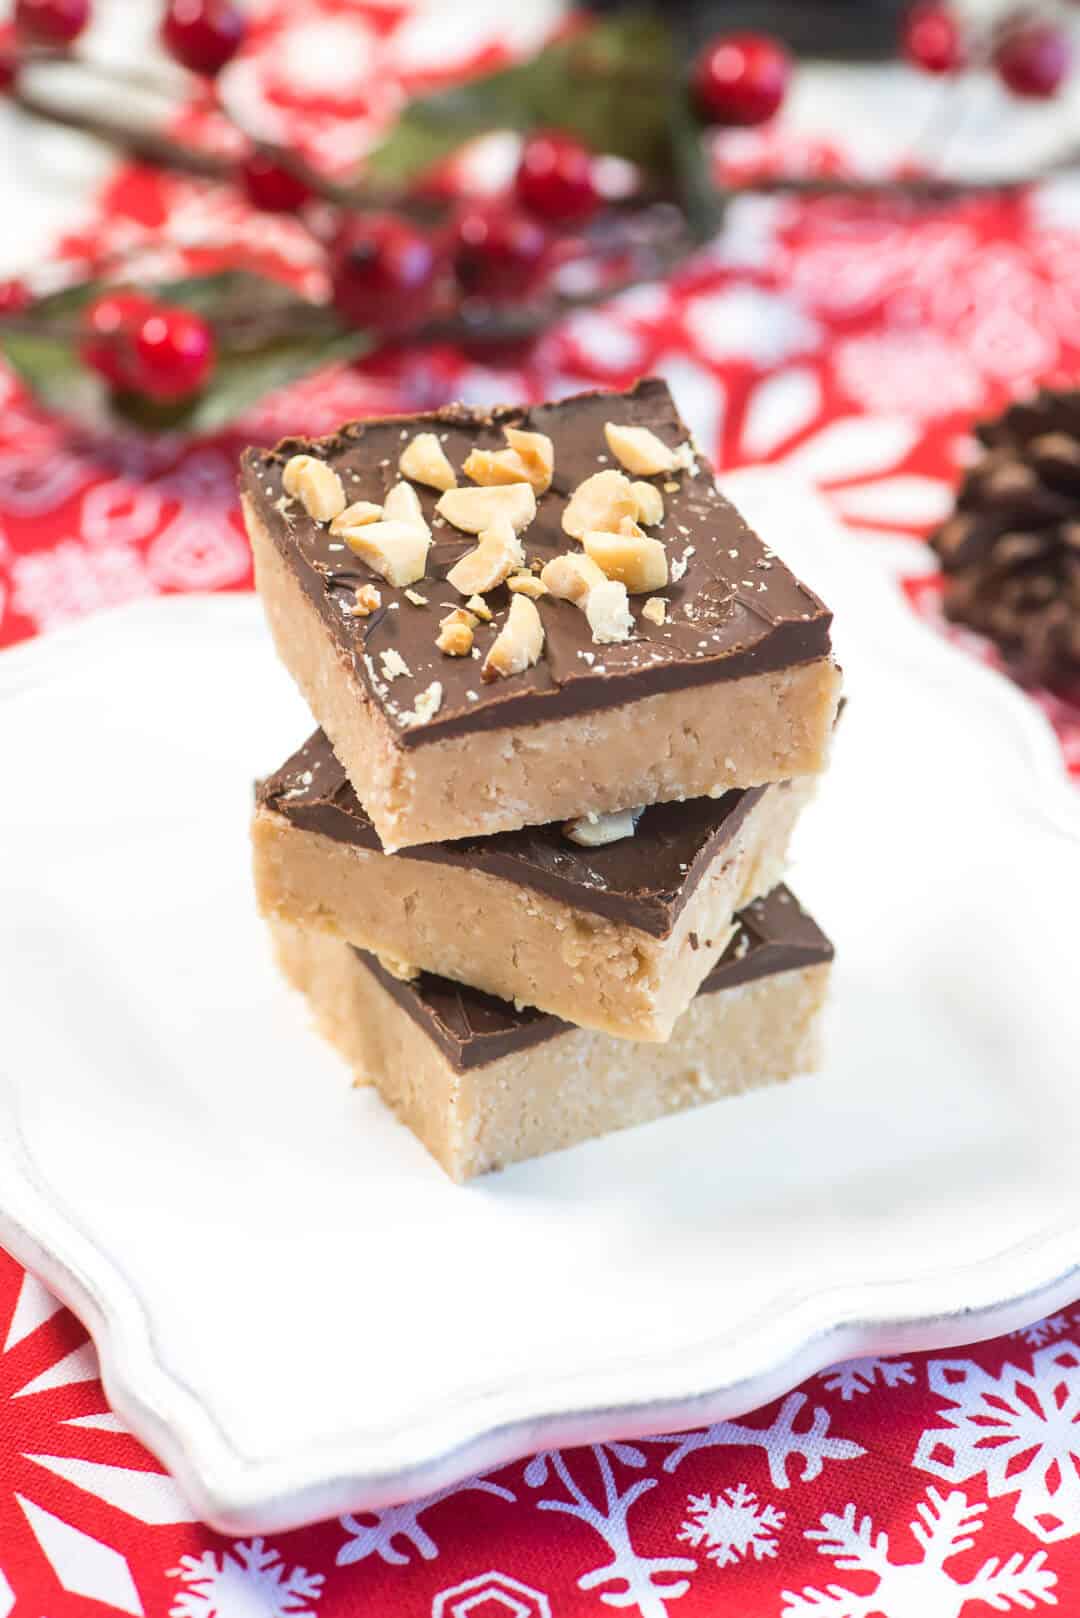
616, 938
482, 1085
733, 609
643, 880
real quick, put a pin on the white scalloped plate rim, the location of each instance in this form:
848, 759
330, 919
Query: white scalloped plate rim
798, 1335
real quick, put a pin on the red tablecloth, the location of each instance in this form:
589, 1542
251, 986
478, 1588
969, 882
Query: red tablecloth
851, 345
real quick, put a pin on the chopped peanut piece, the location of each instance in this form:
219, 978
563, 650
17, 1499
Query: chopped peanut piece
397, 551
650, 503
571, 577
655, 610
489, 467
316, 485
607, 608
426, 705
393, 664
594, 831
479, 606
474, 510
402, 504
424, 460
494, 559
636, 561
599, 502
416, 598
639, 450
526, 584
529, 459
368, 600
356, 515
454, 639
538, 453
518, 644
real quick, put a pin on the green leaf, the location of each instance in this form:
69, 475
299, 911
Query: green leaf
301, 337
611, 84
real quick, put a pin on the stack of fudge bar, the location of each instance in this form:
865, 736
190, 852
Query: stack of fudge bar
528, 870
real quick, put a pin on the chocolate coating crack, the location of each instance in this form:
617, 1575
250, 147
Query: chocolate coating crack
470, 1028
643, 881
734, 609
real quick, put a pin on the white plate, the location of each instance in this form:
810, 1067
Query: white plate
296, 1309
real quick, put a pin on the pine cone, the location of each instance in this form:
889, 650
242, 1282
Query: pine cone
1011, 550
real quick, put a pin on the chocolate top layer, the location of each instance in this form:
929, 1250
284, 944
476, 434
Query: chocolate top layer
471, 1029
733, 607
643, 881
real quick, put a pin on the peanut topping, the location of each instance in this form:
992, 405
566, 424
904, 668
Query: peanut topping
608, 610
393, 664
538, 453
635, 560
496, 556
426, 705
477, 605
518, 644
455, 637
650, 503
529, 459
571, 577
593, 831
397, 551
639, 450
368, 600
316, 485
402, 504
356, 515
599, 502
424, 460
526, 584
655, 610
474, 510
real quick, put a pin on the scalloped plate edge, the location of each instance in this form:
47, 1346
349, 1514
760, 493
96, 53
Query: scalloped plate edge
243, 1494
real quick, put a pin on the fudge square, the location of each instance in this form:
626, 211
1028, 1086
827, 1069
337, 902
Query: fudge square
667, 654
483, 1084
616, 936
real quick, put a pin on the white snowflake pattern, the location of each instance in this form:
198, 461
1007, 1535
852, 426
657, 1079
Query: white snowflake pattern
54, 585
633, 1579
1019, 1430
385, 1533
732, 1526
1041, 1332
780, 1441
855, 1377
248, 1580
944, 1527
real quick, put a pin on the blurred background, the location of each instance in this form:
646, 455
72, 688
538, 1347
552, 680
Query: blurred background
844, 230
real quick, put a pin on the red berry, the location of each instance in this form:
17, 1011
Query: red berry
9, 57
555, 177
933, 39
271, 187
110, 324
14, 297
498, 252
174, 353
383, 270
740, 79
203, 34
51, 22
1032, 59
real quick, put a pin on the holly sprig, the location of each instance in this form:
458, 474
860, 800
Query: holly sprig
404, 256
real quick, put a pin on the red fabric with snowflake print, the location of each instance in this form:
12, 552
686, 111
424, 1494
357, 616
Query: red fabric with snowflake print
850, 345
